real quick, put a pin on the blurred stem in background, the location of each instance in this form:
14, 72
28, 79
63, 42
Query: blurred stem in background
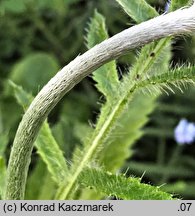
161, 151
176, 154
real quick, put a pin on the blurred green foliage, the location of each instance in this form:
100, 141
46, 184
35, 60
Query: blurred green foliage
37, 38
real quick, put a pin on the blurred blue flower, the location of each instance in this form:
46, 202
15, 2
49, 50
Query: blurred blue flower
185, 132
167, 6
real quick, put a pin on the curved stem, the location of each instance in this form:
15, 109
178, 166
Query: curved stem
175, 23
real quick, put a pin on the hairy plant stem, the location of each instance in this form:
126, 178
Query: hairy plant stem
68, 187
175, 23
65, 190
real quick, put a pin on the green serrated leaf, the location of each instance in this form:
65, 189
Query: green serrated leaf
23, 98
128, 127
82, 132
153, 59
97, 31
113, 121
127, 132
51, 154
138, 10
106, 76
120, 186
166, 82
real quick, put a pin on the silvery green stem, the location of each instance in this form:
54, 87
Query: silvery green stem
175, 23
